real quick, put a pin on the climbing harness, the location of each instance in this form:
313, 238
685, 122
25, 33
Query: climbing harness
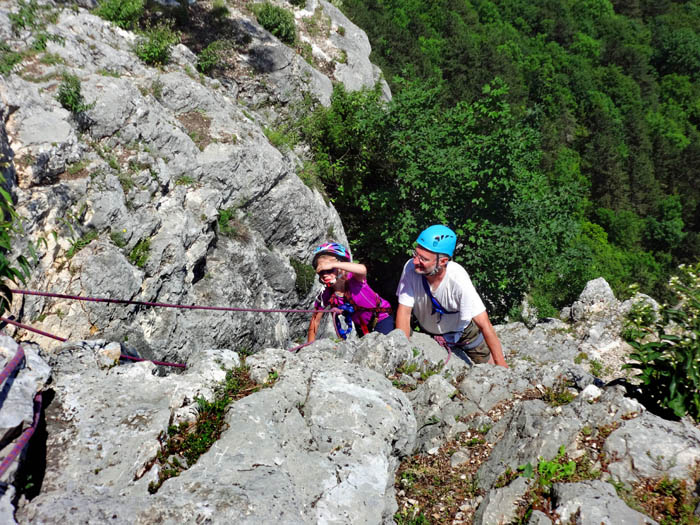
343, 307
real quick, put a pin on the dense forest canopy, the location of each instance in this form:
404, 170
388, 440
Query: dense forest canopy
559, 138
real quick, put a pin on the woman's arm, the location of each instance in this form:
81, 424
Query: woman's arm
313, 326
359, 271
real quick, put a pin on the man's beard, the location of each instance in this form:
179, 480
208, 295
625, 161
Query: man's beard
428, 273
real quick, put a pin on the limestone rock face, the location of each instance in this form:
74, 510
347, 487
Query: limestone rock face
165, 190
323, 440
290, 450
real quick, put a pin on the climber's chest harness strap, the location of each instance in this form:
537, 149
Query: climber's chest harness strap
471, 336
437, 307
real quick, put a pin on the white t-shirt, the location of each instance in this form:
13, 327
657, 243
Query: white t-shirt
455, 293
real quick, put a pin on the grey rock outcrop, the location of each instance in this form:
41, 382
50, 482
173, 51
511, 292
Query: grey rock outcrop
291, 451
165, 188
321, 443
25, 375
593, 503
131, 206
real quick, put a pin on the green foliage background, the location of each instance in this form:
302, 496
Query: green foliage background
559, 139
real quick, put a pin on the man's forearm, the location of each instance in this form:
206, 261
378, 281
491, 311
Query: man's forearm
484, 323
403, 319
494, 345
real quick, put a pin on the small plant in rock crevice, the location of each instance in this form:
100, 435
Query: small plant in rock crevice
420, 371
81, 243
27, 17
183, 444
210, 56
558, 395
544, 473
154, 45
8, 58
668, 501
231, 226
70, 95
118, 238
305, 276
139, 254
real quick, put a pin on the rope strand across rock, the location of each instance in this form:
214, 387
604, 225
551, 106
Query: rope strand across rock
333, 311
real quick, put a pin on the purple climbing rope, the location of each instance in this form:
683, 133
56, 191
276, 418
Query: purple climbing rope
182, 306
332, 311
63, 339
24, 438
164, 305
12, 364
35, 330
163, 363
442, 342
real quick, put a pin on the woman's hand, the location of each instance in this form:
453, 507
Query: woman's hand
325, 265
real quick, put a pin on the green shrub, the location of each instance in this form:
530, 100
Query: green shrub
667, 346
157, 88
309, 175
70, 96
305, 276
209, 57
154, 45
185, 180
8, 58
27, 17
230, 226
281, 137
123, 13
298, 3
219, 9
118, 238
277, 20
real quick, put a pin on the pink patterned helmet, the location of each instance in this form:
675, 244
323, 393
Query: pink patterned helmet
332, 248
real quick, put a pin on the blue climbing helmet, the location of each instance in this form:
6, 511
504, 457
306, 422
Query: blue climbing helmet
438, 239
332, 248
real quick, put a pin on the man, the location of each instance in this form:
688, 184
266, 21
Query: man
441, 295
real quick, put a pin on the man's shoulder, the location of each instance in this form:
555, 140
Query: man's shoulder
408, 270
456, 271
